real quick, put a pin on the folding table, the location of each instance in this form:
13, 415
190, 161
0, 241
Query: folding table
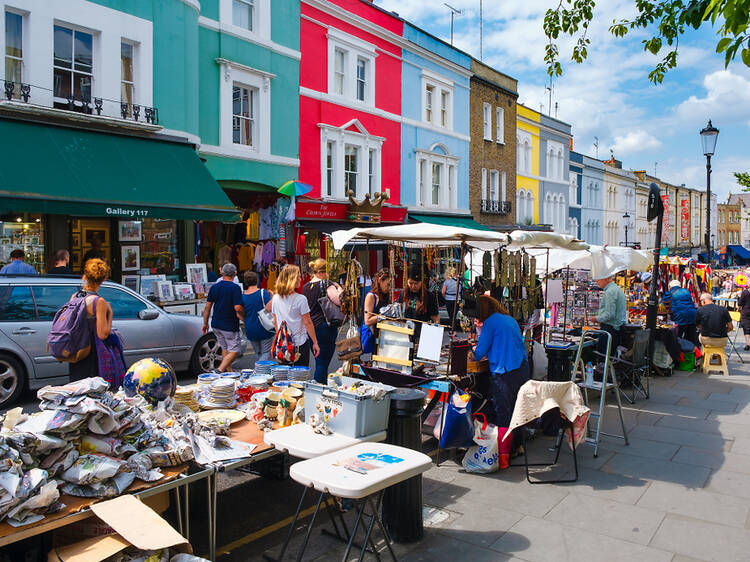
360, 472
301, 441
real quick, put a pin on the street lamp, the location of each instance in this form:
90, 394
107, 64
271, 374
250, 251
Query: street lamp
709, 135
626, 216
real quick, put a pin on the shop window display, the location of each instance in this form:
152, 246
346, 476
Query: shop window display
23, 232
159, 251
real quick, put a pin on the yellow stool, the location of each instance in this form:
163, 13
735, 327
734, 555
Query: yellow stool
714, 351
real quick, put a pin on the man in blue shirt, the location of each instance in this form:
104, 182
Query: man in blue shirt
17, 266
682, 310
225, 298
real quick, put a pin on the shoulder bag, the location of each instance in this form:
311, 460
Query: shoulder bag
264, 316
332, 313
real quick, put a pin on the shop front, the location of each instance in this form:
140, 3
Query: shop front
127, 199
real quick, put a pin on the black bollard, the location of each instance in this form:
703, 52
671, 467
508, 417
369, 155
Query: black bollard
402, 503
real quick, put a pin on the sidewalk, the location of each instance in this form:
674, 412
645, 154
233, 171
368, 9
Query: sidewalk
679, 492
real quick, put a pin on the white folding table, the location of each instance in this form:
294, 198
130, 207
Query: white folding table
301, 441
360, 472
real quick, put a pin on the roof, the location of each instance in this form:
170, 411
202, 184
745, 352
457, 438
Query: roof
735, 198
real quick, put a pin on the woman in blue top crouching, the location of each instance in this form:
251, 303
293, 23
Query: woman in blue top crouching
500, 340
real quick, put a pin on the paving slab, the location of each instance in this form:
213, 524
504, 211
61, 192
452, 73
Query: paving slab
540, 540
480, 526
680, 437
715, 406
741, 446
707, 541
606, 485
615, 519
440, 547
698, 504
665, 471
641, 448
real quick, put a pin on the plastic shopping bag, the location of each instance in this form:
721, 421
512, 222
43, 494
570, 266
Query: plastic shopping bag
482, 457
458, 429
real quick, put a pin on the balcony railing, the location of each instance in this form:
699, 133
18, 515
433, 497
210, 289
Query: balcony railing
496, 207
86, 105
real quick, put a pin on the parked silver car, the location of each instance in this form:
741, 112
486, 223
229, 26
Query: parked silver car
29, 303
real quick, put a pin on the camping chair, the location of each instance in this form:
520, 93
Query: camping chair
735, 316
633, 369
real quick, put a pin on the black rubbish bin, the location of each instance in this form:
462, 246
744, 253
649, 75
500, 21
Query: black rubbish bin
559, 362
402, 503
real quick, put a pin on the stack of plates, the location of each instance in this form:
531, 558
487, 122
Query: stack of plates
264, 367
207, 378
185, 395
280, 372
220, 395
299, 373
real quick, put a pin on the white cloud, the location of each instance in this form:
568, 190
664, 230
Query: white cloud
727, 98
635, 141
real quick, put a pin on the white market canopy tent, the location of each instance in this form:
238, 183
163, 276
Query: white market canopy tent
602, 261
424, 234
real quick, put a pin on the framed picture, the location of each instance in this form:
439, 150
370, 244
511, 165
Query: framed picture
76, 240
131, 258
75, 258
183, 291
148, 284
130, 231
132, 282
32, 241
196, 273
199, 289
90, 234
164, 291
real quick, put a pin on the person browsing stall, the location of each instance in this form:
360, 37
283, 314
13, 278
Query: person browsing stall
291, 307
612, 311
502, 343
324, 332
378, 298
17, 265
744, 306
419, 303
450, 294
682, 310
225, 299
255, 299
714, 322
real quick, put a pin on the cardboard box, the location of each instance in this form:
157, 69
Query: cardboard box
136, 524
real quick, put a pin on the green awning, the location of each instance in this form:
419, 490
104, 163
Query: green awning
49, 169
463, 222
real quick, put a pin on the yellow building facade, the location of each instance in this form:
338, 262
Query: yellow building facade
527, 165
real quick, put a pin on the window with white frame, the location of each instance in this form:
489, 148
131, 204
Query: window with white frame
244, 115
245, 109
494, 185
73, 64
523, 152
487, 120
127, 74
573, 226
573, 189
243, 14
351, 67
555, 160
500, 125
503, 187
524, 206
484, 184
436, 178
14, 50
437, 100
351, 161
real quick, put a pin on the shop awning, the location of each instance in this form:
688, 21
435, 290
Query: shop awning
739, 251
463, 222
49, 169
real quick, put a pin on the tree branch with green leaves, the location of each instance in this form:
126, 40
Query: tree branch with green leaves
665, 20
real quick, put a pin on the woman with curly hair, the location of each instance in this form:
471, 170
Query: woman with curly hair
98, 318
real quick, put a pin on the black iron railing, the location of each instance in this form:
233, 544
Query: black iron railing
496, 207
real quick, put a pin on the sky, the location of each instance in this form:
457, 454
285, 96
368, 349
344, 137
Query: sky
648, 127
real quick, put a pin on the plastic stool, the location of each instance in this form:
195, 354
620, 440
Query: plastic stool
708, 354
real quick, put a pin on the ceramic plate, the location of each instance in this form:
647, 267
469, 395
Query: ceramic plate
232, 415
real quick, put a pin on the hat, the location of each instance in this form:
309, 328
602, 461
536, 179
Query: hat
229, 270
674, 283
645, 277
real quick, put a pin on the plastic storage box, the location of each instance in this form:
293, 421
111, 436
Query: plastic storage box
348, 413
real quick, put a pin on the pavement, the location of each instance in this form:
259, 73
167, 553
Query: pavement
679, 492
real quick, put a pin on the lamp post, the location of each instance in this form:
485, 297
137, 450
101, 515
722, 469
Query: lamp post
626, 216
709, 134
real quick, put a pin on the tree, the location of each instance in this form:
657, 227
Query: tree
665, 20
743, 178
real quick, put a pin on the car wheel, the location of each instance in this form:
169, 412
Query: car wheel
206, 355
12, 380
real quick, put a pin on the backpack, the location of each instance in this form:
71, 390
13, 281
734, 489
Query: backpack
69, 340
330, 304
283, 349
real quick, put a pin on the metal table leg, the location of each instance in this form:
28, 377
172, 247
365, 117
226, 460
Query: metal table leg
290, 532
310, 527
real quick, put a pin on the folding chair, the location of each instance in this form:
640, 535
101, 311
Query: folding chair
635, 369
735, 316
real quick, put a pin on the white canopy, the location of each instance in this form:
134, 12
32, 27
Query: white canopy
426, 234
602, 261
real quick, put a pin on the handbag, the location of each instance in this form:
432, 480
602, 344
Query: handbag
332, 313
351, 346
265, 317
283, 349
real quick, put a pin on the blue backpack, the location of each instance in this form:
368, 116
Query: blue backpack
69, 339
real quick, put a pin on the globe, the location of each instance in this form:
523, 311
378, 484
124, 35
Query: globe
152, 378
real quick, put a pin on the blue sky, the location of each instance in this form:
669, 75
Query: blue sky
609, 96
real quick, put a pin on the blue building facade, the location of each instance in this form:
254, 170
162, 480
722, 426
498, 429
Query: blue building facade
554, 162
575, 191
435, 126
591, 194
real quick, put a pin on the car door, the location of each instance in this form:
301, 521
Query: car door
152, 337
48, 300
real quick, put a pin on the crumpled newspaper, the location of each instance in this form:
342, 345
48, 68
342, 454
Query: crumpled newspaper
105, 489
44, 500
90, 469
